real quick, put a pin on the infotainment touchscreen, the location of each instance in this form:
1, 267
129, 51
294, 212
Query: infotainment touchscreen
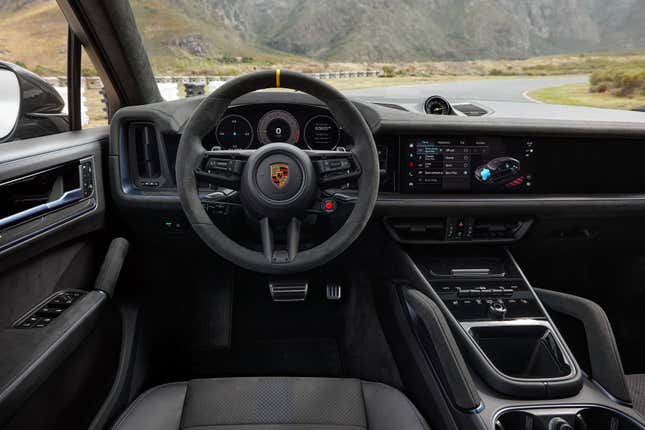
478, 165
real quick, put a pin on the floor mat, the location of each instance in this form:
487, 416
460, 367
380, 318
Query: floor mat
636, 384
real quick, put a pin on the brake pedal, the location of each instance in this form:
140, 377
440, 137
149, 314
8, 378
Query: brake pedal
334, 291
288, 291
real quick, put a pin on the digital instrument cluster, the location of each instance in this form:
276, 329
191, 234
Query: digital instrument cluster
463, 164
247, 127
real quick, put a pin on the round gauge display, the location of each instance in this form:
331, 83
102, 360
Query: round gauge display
322, 132
234, 132
436, 105
278, 126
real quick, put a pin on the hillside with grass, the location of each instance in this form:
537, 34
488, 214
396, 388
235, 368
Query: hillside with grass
234, 36
34, 35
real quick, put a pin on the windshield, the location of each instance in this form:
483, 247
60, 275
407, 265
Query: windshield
578, 52
588, 53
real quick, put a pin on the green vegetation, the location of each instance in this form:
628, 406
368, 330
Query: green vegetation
388, 71
588, 63
619, 82
613, 84
580, 95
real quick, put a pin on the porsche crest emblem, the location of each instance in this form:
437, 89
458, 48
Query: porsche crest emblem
279, 174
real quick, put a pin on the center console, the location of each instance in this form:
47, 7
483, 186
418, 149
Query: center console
500, 323
524, 375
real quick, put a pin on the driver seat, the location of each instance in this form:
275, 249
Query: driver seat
272, 403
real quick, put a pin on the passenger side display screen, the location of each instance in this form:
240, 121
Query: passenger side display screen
480, 165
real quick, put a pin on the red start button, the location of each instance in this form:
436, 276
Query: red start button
328, 205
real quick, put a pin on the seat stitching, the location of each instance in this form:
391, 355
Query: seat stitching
183, 406
367, 416
141, 398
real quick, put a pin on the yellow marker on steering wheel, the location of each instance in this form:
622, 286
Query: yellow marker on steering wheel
277, 78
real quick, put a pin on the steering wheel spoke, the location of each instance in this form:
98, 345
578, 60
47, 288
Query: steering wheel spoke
334, 167
223, 168
280, 256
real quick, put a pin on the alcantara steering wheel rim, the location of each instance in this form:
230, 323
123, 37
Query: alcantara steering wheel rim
308, 172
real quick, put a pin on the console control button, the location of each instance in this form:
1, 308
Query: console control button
497, 310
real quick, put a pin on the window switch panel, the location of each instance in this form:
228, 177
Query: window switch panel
43, 314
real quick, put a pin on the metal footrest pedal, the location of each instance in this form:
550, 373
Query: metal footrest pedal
288, 291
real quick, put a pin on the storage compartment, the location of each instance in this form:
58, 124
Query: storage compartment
528, 352
587, 418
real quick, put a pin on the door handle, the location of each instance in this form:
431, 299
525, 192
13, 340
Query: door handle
67, 198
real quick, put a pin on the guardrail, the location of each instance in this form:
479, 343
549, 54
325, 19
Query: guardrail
176, 87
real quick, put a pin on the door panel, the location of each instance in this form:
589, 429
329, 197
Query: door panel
69, 266
52, 220
57, 349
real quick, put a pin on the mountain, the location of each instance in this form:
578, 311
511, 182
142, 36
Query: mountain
194, 34
406, 30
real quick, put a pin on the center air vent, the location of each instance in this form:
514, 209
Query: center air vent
144, 148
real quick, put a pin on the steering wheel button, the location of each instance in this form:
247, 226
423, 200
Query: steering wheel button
328, 205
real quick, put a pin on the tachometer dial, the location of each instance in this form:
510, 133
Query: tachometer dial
278, 126
234, 132
322, 132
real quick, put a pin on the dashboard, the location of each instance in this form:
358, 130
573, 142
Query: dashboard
251, 126
427, 162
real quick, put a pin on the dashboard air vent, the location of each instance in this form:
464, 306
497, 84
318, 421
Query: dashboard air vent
417, 230
469, 109
392, 106
143, 141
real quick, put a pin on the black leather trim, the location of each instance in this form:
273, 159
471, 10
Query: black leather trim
606, 366
441, 345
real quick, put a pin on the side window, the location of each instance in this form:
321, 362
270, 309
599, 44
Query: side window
33, 70
33, 73
94, 107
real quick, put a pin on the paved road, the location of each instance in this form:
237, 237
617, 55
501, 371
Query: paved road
510, 90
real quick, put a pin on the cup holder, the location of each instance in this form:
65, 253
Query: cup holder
587, 418
522, 351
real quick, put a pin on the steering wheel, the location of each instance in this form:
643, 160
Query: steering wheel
279, 184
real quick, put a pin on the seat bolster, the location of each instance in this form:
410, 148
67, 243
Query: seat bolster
387, 408
159, 408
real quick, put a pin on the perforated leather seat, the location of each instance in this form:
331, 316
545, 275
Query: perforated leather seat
272, 404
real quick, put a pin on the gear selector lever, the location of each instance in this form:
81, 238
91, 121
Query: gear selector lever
497, 310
